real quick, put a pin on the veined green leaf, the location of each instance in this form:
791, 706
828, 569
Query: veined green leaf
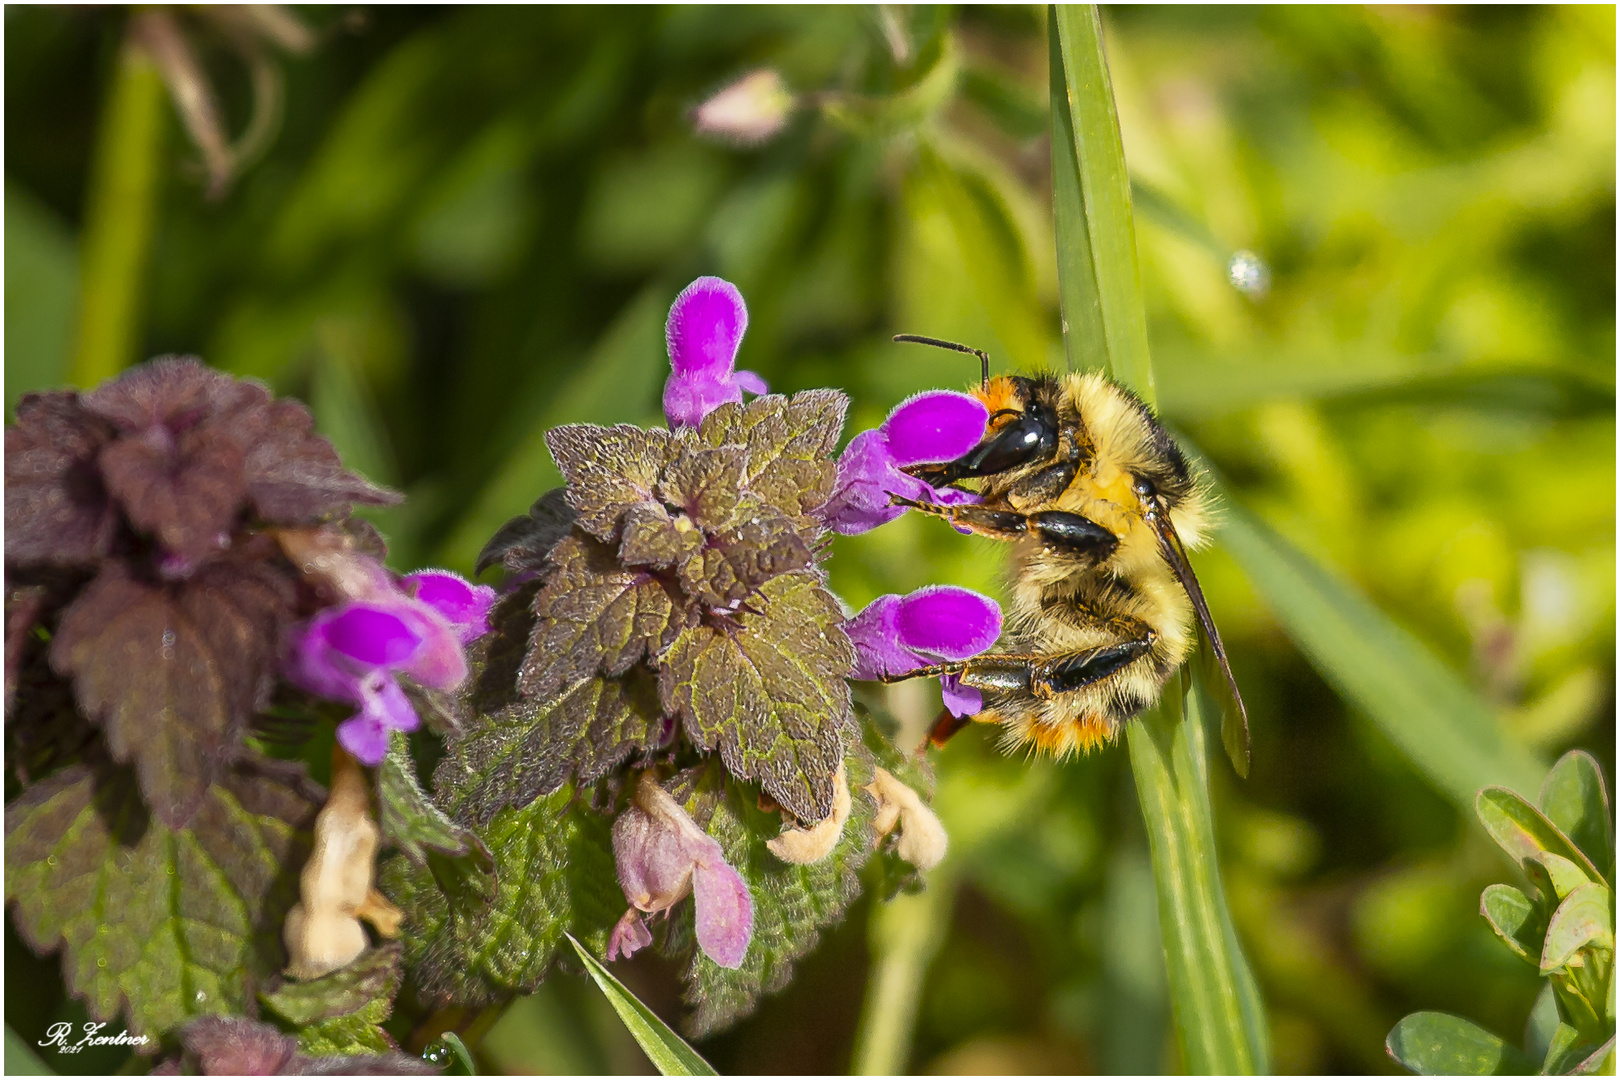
1573, 797
1436, 1044
1426, 710
1524, 832
665, 1049
1515, 918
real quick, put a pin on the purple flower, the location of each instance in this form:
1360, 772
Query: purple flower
940, 425
895, 634
356, 650
706, 325
662, 855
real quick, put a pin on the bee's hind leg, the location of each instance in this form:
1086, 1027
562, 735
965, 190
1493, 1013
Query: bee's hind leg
1058, 530
1042, 676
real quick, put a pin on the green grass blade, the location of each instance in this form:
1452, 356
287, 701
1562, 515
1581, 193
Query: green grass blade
668, 1052
1425, 709
1219, 1015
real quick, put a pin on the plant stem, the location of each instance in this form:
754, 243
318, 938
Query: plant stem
120, 211
906, 934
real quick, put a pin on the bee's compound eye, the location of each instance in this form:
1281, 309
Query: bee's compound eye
1144, 488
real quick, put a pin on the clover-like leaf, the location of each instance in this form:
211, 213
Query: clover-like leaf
608, 469
57, 509
342, 1013
793, 903
1519, 922
789, 442
1437, 1044
411, 822
554, 865
532, 748
173, 673
1524, 832
737, 562
1575, 799
1585, 917
158, 923
768, 690
595, 616
524, 543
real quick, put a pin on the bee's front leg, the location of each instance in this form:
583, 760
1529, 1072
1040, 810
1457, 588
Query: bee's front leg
1058, 530
1042, 676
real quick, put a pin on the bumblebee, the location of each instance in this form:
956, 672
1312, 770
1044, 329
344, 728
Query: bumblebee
1101, 506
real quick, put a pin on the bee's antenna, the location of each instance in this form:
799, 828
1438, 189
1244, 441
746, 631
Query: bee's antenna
984, 357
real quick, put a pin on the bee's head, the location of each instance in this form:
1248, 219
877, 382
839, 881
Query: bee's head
1022, 431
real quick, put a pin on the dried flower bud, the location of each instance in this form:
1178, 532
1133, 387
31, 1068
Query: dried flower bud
922, 837
937, 426
662, 855
323, 931
748, 111
804, 846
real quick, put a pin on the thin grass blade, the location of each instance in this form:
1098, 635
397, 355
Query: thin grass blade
668, 1052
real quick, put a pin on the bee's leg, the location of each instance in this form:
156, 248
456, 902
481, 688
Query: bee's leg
1042, 676
1059, 530
944, 727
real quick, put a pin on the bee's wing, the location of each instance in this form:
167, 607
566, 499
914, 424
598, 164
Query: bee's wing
1234, 717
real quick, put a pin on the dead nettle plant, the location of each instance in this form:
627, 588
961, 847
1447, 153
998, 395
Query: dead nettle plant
645, 739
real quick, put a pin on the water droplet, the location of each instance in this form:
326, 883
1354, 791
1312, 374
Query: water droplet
1248, 274
199, 997
437, 1053
101, 961
50, 860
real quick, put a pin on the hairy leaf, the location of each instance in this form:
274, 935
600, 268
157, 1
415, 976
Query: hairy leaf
236, 1046
523, 544
533, 748
793, 904
173, 673
768, 690
706, 484
409, 820
655, 538
608, 469
293, 474
594, 617
157, 923
740, 560
342, 1013
57, 510
789, 440
184, 487
554, 865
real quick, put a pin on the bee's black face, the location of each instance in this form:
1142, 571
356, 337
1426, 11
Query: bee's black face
1030, 438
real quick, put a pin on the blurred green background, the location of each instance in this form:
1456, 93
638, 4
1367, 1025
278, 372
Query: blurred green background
468, 226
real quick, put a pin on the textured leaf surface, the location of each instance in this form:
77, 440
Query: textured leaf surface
1524, 832
738, 561
706, 484
174, 673
554, 867
793, 904
1574, 798
161, 924
409, 820
531, 749
594, 616
789, 442
342, 1013
608, 469
1585, 917
656, 538
524, 543
57, 510
1520, 923
1436, 1044
668, 1052
236, 1046
769, 692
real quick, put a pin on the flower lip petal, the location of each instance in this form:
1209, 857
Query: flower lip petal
751, 382
370, 635
364, 736
464, 605
939, 425
705, 327
878, 649
959, 700
725, 913
947, 622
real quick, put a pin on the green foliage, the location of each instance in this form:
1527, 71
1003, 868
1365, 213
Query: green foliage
157, 923
340, 1014
1564, 927
668, 1052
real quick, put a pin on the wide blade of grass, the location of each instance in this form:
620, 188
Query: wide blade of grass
668, 1052
1219, 1016
1439, 724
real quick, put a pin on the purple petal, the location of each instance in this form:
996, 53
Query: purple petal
689, 398
959, 700
947, 622
706, 325
940, 425
309, 663
368, 635
725, 913
439, 663
866, 477
654, 867
629, 934
365, 737
382, 698
876, 638
464, 605
750, 382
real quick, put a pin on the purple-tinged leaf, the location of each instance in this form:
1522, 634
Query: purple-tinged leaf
789, 442
608, 469
737, 562
237, 1046
523, 544
706, 484
295, 475
656, 539
57, 509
